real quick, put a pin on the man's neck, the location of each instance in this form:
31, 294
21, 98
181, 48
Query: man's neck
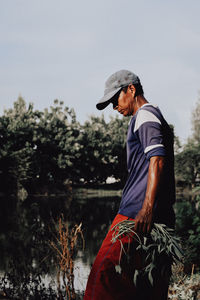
139, 101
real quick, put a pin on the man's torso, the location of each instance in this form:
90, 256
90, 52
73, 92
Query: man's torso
149, 135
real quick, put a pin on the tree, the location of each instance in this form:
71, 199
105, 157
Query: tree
41, 150
118, 131
103, 149
187, 161
37, 148
188, 227
196, 122
94, 164
16, 139
187, 164
57, 149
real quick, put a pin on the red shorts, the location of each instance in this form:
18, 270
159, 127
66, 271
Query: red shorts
105, 283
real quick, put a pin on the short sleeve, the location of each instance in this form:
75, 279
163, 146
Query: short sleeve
148, 128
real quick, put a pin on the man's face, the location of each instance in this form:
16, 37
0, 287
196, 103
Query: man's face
125, 102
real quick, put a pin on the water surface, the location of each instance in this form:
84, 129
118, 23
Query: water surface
26, 231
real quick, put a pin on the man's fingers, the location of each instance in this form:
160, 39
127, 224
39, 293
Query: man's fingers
148, 227
144, 229
136, 225
142, 225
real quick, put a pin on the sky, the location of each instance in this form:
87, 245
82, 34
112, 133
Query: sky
67, 49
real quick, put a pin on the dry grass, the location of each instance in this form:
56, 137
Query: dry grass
65, 246
183, 286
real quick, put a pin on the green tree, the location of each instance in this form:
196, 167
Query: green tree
118, 131
37, 148
187, 164
103, 149
16, 139
56, 146
196, 122
187, 159
188, 227
94, 164
41, 150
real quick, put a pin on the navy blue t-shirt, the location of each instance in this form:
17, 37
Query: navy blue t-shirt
149, 135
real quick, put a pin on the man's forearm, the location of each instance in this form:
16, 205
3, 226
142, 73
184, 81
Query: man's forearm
144, 218
155, 173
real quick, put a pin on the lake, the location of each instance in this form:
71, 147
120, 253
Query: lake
28, 265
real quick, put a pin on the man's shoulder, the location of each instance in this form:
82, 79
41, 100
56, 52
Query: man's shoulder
153, 108
147, 113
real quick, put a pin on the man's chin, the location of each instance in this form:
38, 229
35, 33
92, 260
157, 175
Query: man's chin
126, 114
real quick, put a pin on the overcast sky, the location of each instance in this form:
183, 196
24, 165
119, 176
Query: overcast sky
67, 49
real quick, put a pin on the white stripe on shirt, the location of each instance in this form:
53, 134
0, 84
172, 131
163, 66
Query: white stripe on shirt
143, 117
147, 149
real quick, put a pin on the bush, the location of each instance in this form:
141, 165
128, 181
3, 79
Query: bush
188, 228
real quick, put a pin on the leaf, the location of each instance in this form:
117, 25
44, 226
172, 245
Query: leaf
118, 269
160, 242
150, 277
178, 252
135, 277
139, 247
151, 246
147, 256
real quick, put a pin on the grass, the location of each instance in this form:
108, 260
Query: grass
65, 246
183, 286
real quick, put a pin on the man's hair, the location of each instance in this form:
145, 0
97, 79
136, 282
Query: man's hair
138, 88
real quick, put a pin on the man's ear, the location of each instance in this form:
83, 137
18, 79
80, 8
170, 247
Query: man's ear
132, 89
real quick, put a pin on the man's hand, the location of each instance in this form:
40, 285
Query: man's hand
143, 220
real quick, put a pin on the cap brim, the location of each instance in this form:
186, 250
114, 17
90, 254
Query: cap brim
105, 101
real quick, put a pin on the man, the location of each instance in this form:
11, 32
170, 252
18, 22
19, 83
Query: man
148, 195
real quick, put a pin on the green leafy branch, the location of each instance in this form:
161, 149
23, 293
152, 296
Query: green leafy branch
159, 248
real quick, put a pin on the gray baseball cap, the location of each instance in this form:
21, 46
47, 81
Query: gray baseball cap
113, 85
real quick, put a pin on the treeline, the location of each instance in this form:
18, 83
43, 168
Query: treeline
187, 208
48, 151
50, 148
40, 150
187, 159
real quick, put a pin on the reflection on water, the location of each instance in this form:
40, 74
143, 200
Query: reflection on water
25, 234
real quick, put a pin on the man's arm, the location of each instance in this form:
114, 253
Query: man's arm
143, 220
